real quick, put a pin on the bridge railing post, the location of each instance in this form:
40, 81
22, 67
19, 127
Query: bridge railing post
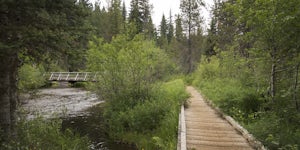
68, 76
51, 76
59, 75
76, 76
85, 76
73, 76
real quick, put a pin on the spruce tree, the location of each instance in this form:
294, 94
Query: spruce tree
34, 29
178, 28
140, 14
170, 34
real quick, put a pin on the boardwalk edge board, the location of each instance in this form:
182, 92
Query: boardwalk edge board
181, 145
250, 138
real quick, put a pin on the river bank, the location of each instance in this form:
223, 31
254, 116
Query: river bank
80, 110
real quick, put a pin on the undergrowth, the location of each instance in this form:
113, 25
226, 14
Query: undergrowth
41, 134
238, 91
152, 124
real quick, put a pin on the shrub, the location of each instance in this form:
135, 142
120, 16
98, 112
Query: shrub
276, 132
126, 69
138, 109
151, 124
31, 77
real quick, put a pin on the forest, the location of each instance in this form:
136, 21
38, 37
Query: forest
247, 63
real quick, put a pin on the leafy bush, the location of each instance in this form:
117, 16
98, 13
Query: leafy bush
126, 68
46, 134
31, 77
276, 132
153, 123
137, 110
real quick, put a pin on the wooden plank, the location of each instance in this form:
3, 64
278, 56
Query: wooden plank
202, 129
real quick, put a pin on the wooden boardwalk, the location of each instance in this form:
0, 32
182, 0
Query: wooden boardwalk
207, 130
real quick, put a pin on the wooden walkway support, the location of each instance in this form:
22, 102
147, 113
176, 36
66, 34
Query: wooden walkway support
73, 76
206, 129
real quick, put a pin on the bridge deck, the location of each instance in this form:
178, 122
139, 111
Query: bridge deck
207, 130
72, 76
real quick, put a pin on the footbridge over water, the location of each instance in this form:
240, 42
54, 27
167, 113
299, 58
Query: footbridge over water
72, 76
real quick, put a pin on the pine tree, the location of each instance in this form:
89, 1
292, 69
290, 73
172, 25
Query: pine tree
170, 34
140, 14
135, 16
162, 41
150, 30
163, 27
178, 28
115, 18
124, 12
191, 18
34, 29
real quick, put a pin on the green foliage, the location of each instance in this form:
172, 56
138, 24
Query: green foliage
46, 134
276, 132
140, 15
243, 97
31, 77
138, 111
163, 27
261, 63
127, 68
37, 28
151, 124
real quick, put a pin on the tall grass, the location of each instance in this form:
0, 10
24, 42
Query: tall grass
40, 134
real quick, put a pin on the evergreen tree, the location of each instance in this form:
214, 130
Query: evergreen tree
162, 41
150, 29
191, 19
35, 29
140, 14
170, 34
178, 29
212, 32
135, 15
115, 18
163, 27
124, 12
99, 21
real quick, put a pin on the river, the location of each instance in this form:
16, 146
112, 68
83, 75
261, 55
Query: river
81, 111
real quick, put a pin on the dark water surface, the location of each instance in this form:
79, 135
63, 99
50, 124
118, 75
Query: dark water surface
92, 125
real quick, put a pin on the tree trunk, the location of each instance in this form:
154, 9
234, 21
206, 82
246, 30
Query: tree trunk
296, 87
8, 92
189, 56
272, 82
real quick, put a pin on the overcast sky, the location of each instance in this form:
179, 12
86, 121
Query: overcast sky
164, 6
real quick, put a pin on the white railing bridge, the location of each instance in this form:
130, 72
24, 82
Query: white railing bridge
72, 76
